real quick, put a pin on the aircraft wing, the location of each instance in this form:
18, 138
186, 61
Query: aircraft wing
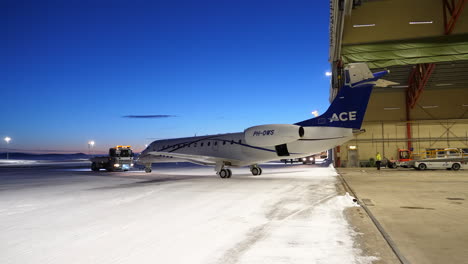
198, 159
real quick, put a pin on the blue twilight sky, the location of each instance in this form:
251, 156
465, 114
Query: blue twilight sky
70, 70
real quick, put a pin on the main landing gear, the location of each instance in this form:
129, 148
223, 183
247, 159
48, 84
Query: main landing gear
225, 173
148, 168
221, 171
255, 170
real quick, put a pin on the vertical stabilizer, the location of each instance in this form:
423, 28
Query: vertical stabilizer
350, 104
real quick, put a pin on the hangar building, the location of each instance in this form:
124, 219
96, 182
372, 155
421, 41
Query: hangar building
424, 44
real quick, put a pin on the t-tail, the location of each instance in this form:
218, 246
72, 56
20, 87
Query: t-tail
349, 106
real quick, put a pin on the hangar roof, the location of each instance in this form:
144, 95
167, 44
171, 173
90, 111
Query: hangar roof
399, 36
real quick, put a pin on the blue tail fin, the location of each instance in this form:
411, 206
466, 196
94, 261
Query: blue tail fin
349, 106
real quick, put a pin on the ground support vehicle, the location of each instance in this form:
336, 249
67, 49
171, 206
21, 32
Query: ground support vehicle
451, 164
404, 159
120, 158
449, 158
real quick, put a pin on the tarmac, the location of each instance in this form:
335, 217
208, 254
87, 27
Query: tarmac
57, 212
179, 213
422, 215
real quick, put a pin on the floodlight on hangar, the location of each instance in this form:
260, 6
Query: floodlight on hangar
391, 108
399, 86
420, 22
364, 25
429, 106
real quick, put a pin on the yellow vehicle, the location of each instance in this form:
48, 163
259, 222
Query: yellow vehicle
120, 158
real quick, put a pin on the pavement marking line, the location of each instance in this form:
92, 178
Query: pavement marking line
382, 231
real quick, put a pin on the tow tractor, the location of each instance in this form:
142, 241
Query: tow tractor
120, 158
404, 159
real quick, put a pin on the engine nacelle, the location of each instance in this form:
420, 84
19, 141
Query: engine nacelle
272, 135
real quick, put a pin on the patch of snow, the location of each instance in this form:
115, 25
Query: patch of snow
177, 215
16, 162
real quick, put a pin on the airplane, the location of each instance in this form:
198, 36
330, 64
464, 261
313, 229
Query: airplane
264, 143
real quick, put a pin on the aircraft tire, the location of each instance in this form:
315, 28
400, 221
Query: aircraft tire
261, 171
229, 173
455, 166
255, 171
223, 173
148, 170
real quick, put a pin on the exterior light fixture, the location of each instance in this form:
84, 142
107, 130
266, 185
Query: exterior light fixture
90, 145
419, 22
429, 106
328, 73
364, 25
7, 140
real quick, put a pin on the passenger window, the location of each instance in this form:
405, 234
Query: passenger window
201, 145
224, 142
240, 141
209, 143
216, 143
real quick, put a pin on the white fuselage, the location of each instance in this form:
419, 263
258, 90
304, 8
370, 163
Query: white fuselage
232, 149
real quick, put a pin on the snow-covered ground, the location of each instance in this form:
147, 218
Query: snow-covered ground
290, 214
29, 163
16, 162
